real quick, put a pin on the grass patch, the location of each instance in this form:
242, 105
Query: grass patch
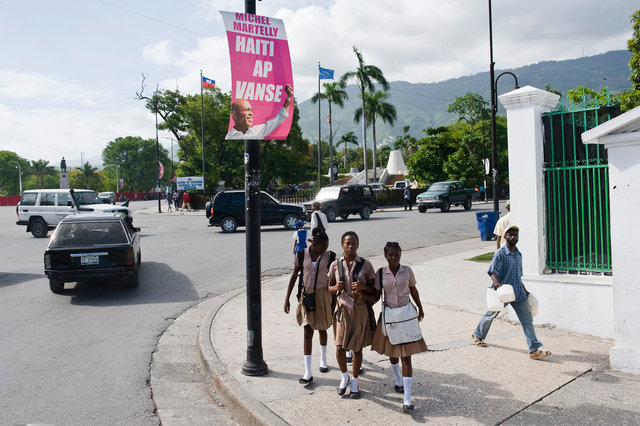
484, 258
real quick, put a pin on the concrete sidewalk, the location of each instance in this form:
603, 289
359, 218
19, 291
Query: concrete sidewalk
454, 383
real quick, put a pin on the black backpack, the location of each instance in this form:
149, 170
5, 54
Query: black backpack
320, 224
300, 254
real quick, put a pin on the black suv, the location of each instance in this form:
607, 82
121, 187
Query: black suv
227, 211
345, 200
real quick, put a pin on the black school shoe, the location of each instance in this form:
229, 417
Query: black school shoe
399, 389
324, 369
304, 381
341, 391
349, 360
407, 408
355, 395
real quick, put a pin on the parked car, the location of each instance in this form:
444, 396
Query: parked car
376, 186
93, 245
443, 195
227, 210
107, 197
42, 209
401, 184
342, 201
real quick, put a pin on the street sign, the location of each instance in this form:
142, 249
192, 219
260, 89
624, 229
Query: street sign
190, 183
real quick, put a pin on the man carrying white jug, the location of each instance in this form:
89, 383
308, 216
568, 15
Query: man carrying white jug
506, 268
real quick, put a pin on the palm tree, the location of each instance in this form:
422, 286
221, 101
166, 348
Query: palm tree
41, 168
346, 139
334, 93
378, 108
365, 75
88, 171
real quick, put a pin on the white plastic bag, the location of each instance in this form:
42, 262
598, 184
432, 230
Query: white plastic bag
533, 303
493, 301
506, 293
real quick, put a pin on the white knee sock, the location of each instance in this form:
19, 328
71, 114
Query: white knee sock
406, 382
323, 356
349, 354
307, 367
354, 384
396, 373
345, 379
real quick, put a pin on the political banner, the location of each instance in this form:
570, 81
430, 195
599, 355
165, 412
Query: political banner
261, 77
190, 183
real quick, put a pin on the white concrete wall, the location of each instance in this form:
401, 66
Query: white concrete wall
624, 178
577, 303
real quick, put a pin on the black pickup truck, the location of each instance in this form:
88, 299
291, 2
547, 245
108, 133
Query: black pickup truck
443, 195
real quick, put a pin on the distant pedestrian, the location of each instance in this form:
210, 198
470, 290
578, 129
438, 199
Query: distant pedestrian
399, 284
299, 237
502, 225
318, 218
351, 279
176, 200
314, 264
169, 200
407, 198
186, 201
506, 268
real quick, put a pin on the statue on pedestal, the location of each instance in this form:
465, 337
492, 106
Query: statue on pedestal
63, 165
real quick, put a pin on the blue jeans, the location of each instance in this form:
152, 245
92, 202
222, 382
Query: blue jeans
523, 311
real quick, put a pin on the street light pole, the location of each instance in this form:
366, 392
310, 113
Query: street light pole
157, 155
494, 110
20, 176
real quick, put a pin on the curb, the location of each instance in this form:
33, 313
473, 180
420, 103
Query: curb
244, 408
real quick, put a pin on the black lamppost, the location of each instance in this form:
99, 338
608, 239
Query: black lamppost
494, 109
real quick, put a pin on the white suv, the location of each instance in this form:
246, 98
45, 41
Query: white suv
42, 209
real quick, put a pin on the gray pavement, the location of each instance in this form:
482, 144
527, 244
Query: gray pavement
196, 370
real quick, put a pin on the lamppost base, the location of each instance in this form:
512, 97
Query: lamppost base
258, 368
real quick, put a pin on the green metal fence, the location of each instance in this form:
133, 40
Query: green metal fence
578, 234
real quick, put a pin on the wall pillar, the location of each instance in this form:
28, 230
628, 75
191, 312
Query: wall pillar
621, 137
525, 107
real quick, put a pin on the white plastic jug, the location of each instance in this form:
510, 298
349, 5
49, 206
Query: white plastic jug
533, 303
506, 293
493, 301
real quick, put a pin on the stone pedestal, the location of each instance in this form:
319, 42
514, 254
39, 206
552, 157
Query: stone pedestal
64, 180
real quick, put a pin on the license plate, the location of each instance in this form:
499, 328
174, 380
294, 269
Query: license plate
89, 260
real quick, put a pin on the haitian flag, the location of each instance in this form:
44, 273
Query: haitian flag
207, 82
261, 77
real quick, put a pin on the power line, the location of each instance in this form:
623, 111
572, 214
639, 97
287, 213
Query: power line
151, 18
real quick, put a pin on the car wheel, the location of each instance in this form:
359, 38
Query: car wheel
365, 213
290, 222
422, 209
39, 228
467, 204
133, 280
207, 209
139, 259
56, 287
229, 224
331, 214
446, 205
344, 216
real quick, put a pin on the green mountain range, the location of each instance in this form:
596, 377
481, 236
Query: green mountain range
424, 105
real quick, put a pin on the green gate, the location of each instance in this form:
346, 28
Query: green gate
578, 235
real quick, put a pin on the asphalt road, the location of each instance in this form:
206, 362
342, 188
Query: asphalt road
83, 357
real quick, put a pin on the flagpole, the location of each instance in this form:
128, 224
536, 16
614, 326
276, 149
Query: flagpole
157, 152
319, 134
204, 180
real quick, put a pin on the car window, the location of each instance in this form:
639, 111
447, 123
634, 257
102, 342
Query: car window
85, 198
88, 234
237, 200
48, 199
29, 199
454, 186
265, 200
366, 190
64, 199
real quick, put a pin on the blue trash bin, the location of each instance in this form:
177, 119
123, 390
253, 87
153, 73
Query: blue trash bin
486, 224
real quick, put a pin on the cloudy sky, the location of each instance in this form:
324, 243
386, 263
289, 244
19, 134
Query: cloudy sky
70, 69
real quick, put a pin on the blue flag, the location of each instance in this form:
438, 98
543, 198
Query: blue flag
325, 73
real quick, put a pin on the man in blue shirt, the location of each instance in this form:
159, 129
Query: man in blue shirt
506, 268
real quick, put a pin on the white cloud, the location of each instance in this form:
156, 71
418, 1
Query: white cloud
158, 53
